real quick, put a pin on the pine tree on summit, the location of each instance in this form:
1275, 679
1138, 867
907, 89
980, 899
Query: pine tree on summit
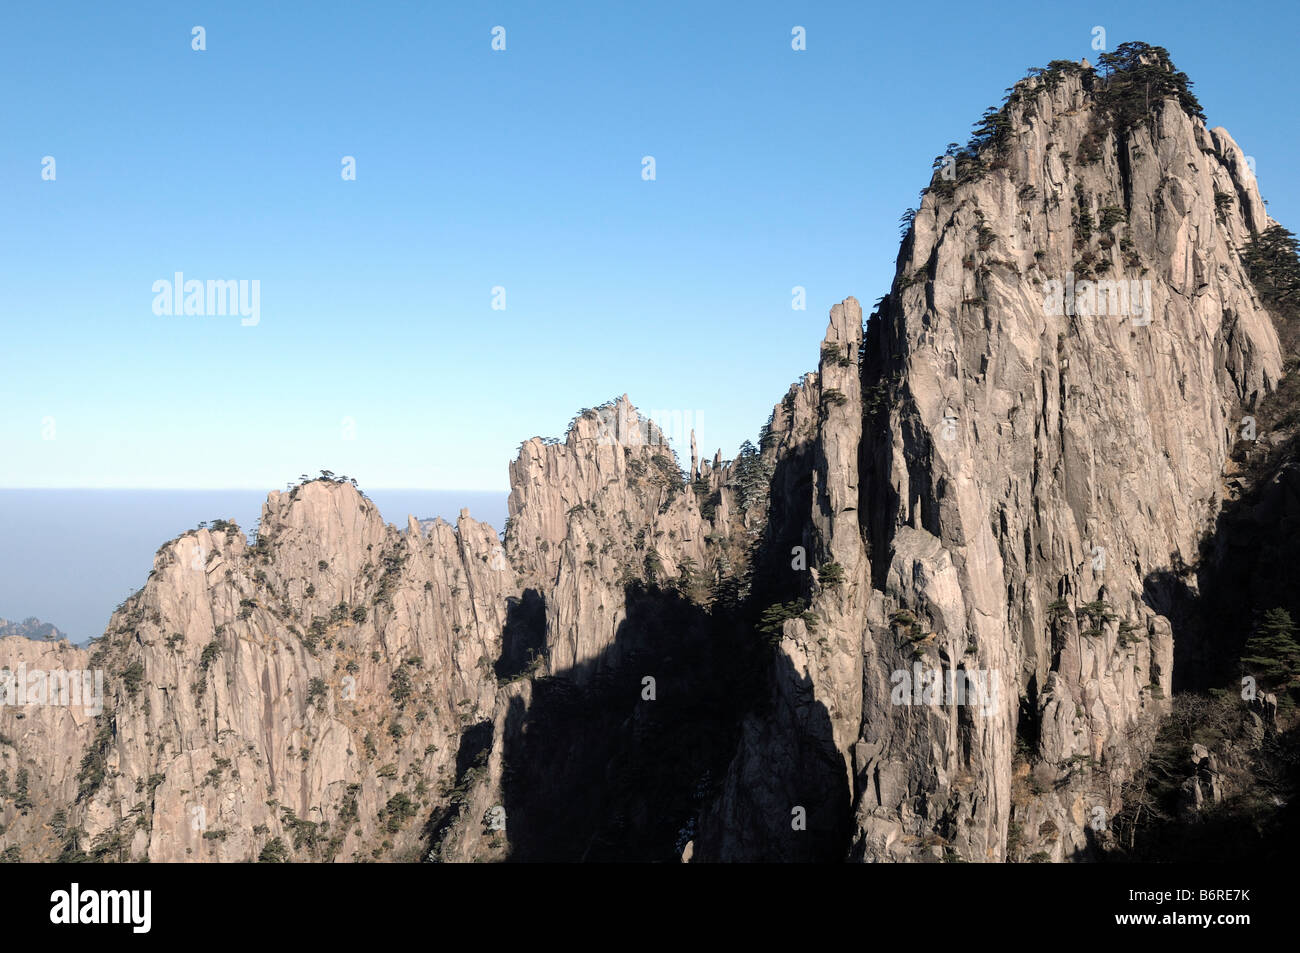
1138, 75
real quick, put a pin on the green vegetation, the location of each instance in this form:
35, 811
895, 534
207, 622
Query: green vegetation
904, 226
875, 397
1127, 85
1099, 611
399, 687
1271, 654
909, 623
399, 809
988, 141
391, 564
317, 693
306, 834
348, 808
916, 277
94, 764
1090, 146
1222, 203
832, 397
831, 575
22, 798
1273, 261
654, 568
707, 498
275, 852
1082, 219
772, 621
315, 633
132, 676
751, 474
1129, 634
1134, 79
211, 652
1111, 216
1137, 76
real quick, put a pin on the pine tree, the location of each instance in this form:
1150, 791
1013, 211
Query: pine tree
1138, 76
1272, 653
1273, 260
274, 852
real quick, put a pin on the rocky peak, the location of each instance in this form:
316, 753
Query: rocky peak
1055, 443
926, 617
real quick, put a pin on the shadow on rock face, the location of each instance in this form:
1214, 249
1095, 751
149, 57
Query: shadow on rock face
524, 637
613, 758
471, 760
631, 755
788, 799
1246, 566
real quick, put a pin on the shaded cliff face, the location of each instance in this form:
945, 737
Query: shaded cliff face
787, 792
927, 618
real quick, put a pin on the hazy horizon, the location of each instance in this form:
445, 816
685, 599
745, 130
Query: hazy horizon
75, 586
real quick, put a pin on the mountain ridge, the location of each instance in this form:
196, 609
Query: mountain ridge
31, 628
649, 663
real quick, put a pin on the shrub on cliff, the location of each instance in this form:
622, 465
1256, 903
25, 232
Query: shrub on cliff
274, 852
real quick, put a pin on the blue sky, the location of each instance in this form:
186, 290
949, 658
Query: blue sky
477, 169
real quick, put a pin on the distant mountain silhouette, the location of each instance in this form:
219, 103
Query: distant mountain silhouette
32, 628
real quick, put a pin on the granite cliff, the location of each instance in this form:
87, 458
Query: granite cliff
931, 615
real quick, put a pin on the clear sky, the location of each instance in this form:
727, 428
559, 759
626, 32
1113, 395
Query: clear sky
476, 169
